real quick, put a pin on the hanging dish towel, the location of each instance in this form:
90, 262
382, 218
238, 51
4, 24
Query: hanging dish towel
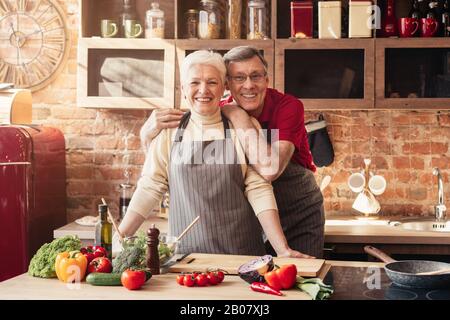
319, 142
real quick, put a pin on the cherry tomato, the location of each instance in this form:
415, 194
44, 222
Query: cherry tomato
180, 279
201, 280
220, 276
212, 278
133, 279
189, 280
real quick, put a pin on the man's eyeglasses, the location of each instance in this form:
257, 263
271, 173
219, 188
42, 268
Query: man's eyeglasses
254, 77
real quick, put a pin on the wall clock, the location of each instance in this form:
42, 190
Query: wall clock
34, 42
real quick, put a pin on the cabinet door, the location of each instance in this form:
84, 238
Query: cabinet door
184, 47
126, 73
413, 73
326, 74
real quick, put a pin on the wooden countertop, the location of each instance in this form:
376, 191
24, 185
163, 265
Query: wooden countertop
159, 287
341, 229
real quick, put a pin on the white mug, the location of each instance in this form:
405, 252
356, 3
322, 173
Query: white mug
377, 185
356, 182
366, 203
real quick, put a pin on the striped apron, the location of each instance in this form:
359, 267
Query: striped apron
300, 206
215, 192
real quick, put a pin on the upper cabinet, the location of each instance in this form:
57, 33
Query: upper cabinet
326, 55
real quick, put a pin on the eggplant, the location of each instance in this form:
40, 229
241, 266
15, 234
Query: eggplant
253, 271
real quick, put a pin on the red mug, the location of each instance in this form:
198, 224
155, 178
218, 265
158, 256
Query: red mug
408, 27
428, 27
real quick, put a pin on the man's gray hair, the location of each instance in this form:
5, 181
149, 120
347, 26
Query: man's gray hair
242, 53
203, 57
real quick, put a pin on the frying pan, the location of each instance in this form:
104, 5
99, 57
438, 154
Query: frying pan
406, 273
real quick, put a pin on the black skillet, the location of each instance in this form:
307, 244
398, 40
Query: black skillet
405, 273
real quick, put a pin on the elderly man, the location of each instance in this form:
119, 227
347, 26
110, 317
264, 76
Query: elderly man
291, 168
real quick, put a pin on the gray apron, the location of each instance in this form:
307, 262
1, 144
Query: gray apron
215, 192
300, 206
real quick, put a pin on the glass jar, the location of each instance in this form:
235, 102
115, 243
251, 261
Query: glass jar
209, 21
191, 18
234, 14
256, 20
154, 26
126, 192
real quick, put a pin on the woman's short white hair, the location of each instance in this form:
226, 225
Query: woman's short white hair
203, 57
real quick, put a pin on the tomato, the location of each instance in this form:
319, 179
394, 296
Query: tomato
201, 280
189, 280
132, 279
220, 275
100, 264
180, 279
212, 278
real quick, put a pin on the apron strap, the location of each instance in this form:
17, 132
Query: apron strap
183, 124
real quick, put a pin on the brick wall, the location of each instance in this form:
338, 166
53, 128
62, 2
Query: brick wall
403, 146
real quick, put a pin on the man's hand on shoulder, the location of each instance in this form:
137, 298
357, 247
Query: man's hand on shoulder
159, 119
234, 113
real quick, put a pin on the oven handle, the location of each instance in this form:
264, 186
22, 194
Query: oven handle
14, 163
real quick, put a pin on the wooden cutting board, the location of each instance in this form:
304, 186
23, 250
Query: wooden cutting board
231, 263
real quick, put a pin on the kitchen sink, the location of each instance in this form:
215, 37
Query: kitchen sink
430, 224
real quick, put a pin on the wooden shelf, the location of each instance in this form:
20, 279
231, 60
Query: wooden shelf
368, 69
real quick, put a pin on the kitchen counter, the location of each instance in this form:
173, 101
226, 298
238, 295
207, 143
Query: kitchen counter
341, 229
159, 287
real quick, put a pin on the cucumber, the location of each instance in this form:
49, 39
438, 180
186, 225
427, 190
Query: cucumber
104, 279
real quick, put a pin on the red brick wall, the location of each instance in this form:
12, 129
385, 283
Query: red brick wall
404, 147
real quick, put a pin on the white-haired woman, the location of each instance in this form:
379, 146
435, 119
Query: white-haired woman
204, 166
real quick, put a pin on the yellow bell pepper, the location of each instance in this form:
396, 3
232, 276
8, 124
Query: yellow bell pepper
71, 266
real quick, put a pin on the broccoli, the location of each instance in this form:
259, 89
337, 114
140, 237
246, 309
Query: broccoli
43, 262
133, 254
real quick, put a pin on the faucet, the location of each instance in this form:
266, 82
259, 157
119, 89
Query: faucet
440, 209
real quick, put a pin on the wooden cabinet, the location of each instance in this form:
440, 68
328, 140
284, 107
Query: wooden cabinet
413, 73
327, 74
184, 47
357, 73
125, 73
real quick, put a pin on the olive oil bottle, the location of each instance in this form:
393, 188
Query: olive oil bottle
103, 230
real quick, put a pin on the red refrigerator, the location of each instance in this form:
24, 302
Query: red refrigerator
32, 193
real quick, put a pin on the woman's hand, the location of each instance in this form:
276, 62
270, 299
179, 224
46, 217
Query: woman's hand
161, 119
289, 253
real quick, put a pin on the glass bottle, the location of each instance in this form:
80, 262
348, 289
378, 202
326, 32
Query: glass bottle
103, 230
209, 21
234, 13
154, 24
126, 191
389, 25
128, 13
415, 11
256, 20
432, 12
446, 19
191, 18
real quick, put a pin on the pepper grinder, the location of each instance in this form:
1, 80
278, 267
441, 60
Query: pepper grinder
153, 255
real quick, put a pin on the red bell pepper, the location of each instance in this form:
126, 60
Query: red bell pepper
265, 288
282, 278
92, 252
100, 264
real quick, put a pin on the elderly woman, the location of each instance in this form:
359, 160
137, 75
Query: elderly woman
204, 166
